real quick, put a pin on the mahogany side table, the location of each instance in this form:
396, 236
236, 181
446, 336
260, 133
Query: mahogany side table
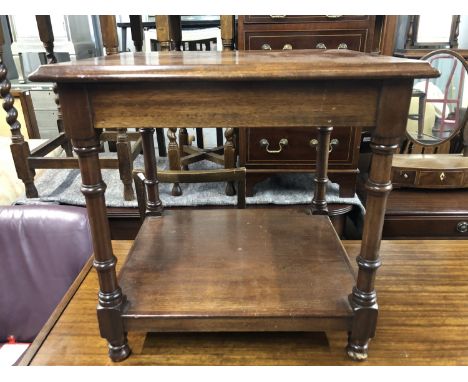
236, 269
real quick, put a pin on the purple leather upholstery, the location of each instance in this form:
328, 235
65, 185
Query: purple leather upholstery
42, 250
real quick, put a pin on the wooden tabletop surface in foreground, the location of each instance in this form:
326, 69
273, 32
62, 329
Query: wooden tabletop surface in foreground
423, 320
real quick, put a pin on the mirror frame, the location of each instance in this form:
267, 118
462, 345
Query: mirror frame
464, 122
412, 35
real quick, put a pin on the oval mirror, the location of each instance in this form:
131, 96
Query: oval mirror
438, 105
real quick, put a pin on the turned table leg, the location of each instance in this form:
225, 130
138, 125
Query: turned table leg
111, 301
319, 202
153, 203
391, 124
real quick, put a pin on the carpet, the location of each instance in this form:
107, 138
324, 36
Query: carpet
63, 187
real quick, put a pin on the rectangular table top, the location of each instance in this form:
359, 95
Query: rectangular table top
236, 66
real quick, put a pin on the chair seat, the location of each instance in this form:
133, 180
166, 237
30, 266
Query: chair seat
231, 270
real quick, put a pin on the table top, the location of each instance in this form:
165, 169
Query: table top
315, 64
422, 290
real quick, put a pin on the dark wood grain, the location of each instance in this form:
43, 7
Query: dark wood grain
405, 335
377, 96
237, 65
235, 280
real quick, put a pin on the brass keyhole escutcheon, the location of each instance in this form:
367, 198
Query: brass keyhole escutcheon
442, 176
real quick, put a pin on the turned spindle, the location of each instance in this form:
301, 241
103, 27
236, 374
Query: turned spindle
174, 157
136, 28
229, 158
393, 104
153, 203
227, 31
111, 301
319, 202
46, 34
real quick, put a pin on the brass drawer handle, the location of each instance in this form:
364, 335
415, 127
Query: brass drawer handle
442, 177
343, 46
333, 143
287, 47
277, 16
320, 45
264, 144
462, 227
333, 16
266, 47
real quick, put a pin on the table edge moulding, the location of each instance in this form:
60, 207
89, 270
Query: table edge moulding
259, 270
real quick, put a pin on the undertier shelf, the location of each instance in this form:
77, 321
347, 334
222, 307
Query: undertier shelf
237, 270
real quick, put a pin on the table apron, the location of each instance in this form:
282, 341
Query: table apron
262, 104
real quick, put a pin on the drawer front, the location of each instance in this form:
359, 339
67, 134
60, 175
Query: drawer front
298, 149
280, 19
425, 227
440, 178
353, 40
403, 177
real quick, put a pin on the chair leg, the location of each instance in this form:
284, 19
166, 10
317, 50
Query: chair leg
66, 146
174, 158
200, 143
161, 142
124, 158
20, 152
183, 141
19, 148
229, 159
219, 136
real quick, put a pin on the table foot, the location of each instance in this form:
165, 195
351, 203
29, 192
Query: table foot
357, 352
119, 353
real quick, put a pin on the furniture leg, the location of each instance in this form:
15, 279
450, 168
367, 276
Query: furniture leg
391, 124
153, 203
46, 34
219, 136
319, 202
200, 143
124, 156
18, 60
19, 148
183, 141
136, 28
229, 158
161, 142
174, 158
227, 31
111, 300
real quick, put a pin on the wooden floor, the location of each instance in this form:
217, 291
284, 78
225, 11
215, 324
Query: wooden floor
422, 288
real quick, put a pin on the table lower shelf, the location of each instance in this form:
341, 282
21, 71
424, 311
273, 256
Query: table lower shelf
237, 270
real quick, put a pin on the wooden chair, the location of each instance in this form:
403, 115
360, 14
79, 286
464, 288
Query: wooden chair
169, 35
27, 161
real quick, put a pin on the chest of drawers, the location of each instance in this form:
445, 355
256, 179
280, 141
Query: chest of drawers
261, 152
